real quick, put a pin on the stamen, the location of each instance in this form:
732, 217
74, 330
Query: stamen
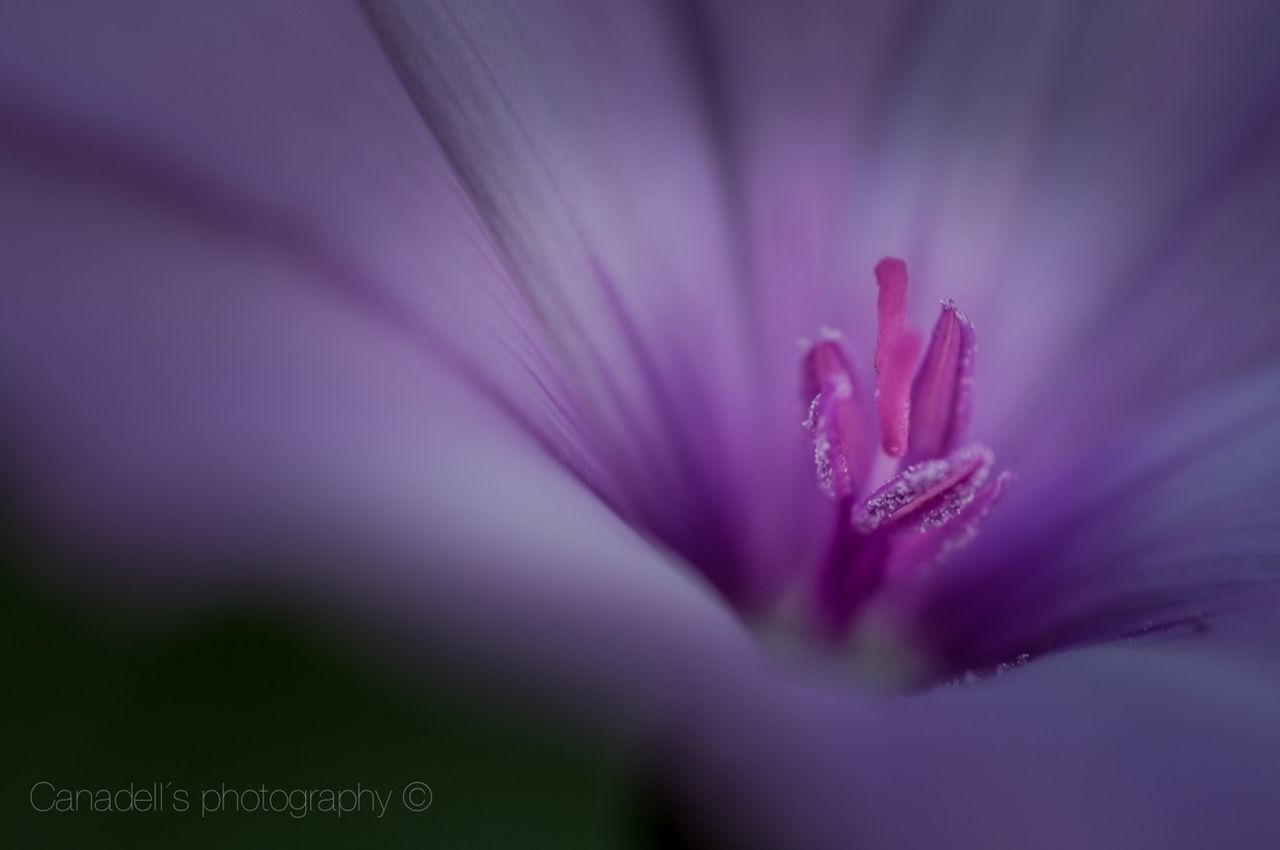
921, 552
933, 491
935, 503
897, 347
940, 394
843, 443
947, 506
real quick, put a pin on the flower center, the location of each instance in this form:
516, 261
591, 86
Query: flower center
932, 505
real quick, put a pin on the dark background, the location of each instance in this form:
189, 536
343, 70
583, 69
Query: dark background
97, 697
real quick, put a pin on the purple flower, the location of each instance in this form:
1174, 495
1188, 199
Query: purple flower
479, 322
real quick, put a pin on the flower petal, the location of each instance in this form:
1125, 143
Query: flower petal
1173, 747
580, 136
221, 226
1021, 181
1158, 525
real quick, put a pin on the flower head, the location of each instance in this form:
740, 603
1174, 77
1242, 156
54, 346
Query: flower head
479, 321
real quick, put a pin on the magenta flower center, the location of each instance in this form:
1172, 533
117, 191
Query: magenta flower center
932, 504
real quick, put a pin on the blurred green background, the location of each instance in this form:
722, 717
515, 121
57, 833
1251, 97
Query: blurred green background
94, 700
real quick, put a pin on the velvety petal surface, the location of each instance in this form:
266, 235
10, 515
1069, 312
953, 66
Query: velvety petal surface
1171, 746
582, 133
231, 255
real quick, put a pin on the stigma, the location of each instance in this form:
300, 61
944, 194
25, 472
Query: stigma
900, 528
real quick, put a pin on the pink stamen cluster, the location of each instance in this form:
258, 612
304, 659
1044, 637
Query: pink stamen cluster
941, 491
